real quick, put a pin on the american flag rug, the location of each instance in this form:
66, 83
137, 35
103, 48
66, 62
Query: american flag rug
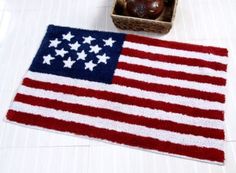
162, 96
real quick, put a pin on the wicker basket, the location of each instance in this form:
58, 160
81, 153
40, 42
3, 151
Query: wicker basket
161, 25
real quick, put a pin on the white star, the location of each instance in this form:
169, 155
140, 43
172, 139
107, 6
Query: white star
88, 39
47, 59
103, 58
74, 46
95, 49
109, 42
67, 36
68, 63
61, 52
90, 65
54, 43
81, 55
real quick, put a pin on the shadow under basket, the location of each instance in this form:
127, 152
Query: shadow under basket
160, 25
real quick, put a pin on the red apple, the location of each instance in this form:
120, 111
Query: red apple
150, 9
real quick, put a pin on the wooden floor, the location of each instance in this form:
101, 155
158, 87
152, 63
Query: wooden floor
25, 150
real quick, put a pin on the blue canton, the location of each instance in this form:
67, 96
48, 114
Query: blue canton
78, 53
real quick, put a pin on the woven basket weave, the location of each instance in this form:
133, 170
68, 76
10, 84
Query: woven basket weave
161, 25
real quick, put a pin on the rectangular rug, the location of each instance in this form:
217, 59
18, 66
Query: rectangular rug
162, 96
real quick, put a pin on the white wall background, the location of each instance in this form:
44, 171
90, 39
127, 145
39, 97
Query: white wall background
25, 150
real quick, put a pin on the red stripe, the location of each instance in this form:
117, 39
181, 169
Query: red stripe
171, 74
177, 45
159, 105
174, 59
117, 137
169, 89
122, 117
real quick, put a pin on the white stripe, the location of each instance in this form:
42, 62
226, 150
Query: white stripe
168, 98
176, 52
163, 135
172, 82
119, 107
172, 67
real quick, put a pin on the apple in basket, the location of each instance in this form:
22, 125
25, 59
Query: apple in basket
149, 9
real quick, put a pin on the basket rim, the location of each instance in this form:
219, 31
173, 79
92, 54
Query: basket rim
140, 19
